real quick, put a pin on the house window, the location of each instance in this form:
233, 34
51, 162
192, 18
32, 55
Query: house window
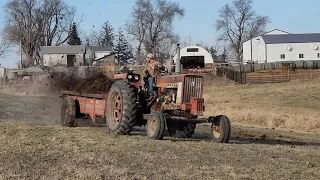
300, 56
318, 55
282, 56
192, 50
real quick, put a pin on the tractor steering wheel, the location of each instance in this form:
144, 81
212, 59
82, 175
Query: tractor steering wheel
165, 70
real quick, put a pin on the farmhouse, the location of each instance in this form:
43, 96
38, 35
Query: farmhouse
277, 45
194, 56
76, 55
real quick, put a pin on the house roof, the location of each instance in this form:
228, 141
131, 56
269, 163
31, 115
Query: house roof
101, 58
76, 49
100, 48
291, 38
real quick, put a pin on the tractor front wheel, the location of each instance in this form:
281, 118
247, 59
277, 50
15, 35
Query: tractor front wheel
221, 129
121, 108
68, 112
156, 125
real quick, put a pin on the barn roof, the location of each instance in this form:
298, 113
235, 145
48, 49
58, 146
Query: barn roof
276, 30
291, 38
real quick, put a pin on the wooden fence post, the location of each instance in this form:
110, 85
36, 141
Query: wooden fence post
260, 77
245, 78
272, 76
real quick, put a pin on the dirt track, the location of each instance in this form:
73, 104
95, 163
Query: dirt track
29, 109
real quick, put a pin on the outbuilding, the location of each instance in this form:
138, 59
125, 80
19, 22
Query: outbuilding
73, 55
193, 57
63, 55
281, 46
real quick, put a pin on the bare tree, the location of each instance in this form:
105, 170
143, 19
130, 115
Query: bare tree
37, 23
59, 19
201, 44
4, 46
238, 23
152, 22
93, 38
187, 41
165, 48
137, 26
256, 26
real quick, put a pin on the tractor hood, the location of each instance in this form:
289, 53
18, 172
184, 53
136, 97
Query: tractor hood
171, 81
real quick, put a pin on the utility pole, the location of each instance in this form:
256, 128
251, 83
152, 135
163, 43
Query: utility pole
20, 54
251, 48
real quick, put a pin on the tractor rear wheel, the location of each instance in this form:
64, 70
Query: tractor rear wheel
121, 108
221, 129
68, 112
156, 125
181, 129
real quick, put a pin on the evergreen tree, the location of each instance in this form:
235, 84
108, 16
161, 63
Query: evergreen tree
123, 52
74, 38
107, 35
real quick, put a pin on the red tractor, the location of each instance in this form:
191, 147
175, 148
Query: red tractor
176, 106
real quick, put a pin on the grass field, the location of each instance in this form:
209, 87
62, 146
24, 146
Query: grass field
50, 152
35, 146
293, 105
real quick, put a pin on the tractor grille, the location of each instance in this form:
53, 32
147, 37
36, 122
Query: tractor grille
192, 87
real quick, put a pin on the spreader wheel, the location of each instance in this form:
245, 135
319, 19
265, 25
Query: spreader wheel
221, 129
156, 125
68, 112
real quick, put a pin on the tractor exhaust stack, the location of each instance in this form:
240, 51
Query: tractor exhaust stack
178, 63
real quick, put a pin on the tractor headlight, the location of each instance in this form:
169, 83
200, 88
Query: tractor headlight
129, 76
136, 77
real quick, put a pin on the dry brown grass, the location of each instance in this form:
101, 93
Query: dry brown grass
53, 152
48, 152
294, 105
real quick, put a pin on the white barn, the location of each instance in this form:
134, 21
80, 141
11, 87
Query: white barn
194, 56
279, 45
